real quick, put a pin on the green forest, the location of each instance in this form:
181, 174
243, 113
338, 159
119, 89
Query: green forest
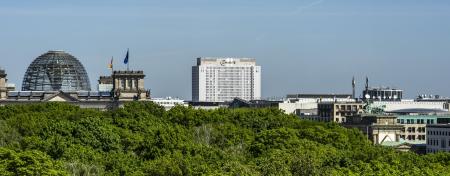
144, 139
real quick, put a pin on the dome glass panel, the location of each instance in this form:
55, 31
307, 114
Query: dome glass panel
54, 71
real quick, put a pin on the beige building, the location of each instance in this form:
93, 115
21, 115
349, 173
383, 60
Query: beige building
128, 86
3, 89
338, 111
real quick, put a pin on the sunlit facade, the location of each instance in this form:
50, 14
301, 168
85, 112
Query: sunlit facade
223, 79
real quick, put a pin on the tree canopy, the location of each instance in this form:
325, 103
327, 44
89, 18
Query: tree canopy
143, 139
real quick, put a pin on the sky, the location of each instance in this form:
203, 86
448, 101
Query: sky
303, 46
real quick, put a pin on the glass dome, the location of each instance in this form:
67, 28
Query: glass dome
54, 71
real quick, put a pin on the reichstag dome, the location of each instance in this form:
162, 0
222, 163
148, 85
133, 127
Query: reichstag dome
54, 71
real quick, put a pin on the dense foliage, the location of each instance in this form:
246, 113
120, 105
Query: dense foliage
144, 139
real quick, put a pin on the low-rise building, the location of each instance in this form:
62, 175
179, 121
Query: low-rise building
241, 103
169, 102
206, 105
411, 106
438, 138
338, 111
306, 105
414, 127
382, 94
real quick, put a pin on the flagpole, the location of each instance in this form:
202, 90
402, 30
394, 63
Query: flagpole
128, 63
112, 65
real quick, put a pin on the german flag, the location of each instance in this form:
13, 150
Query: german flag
110, 65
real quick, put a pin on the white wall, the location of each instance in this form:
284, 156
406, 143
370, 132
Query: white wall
399, 105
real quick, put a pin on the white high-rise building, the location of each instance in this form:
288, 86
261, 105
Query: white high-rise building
223, 79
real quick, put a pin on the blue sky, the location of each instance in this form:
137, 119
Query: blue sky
303, 46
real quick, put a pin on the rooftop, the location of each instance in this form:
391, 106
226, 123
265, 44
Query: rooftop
381, 88
315, 96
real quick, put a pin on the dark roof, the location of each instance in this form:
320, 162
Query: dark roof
206, 103
438, 125
2, 72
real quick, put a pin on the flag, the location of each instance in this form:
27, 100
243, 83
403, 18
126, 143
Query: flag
353, 82
125, 61
110, 65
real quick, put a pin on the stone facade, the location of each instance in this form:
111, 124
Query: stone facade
128, 86
380, 129
338, 111
3, 89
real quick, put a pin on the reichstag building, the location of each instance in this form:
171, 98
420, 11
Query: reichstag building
59, 76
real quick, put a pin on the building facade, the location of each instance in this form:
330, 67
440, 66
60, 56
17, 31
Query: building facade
380, 129
338, 111
223, 79
169, 102
59, 77
412, 106
240, 103
414, 127
129, 85
105, 84
438, 138
3, 88
306, 105
382, 94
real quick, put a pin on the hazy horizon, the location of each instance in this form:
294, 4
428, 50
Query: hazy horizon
305, 46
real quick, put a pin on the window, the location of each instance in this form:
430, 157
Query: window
411, 137
123, 83
421, 129
421, 137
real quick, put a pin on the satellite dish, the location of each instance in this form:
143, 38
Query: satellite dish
367, 96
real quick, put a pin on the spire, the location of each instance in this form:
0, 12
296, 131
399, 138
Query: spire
353, 86
367, 83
